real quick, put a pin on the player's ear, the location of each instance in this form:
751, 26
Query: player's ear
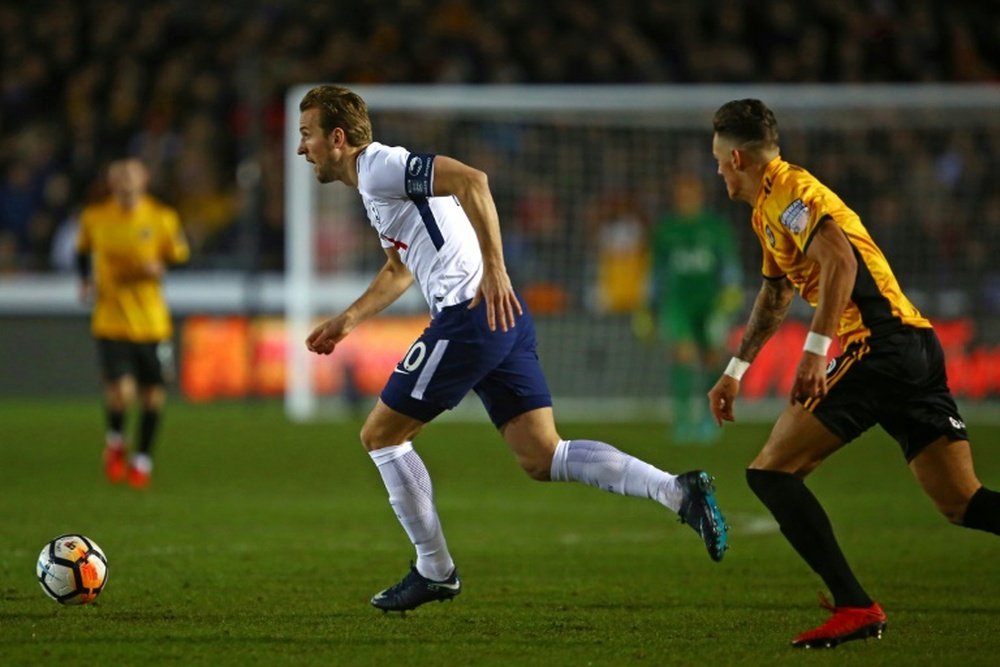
337, 138
738, 158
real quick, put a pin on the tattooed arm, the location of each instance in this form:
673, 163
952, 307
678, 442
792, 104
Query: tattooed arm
769, 310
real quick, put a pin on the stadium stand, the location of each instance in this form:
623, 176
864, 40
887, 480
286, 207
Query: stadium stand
195, 87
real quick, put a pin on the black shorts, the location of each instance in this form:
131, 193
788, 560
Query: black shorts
149, 363
897, 381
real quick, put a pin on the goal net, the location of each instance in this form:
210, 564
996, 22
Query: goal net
580, 175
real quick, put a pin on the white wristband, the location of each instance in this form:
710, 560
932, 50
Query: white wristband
736, 368
817, 343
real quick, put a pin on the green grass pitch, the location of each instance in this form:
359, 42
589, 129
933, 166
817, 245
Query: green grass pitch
261, 542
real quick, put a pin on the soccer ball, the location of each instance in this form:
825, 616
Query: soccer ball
72, 569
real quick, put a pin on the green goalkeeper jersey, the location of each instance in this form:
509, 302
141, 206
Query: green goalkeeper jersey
694, 259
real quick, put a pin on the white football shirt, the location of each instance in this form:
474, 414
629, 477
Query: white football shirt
433, 236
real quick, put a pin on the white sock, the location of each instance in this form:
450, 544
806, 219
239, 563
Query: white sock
412, 498
142, 463
602, 465
114, 440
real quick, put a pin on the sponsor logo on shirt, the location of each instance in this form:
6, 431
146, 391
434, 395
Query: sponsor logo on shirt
416, 165
770, 236
795, 216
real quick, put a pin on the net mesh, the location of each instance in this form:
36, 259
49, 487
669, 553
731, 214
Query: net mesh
578, 190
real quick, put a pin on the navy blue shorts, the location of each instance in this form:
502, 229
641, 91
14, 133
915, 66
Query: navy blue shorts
458, 352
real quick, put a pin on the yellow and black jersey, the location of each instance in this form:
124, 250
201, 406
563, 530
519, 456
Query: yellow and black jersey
127, 305
786, 215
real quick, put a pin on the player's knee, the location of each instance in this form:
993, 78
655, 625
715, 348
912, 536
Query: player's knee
953, 506
540, 471
154, 397
536, 464
376, 434
953, 512
371, 437
119, 394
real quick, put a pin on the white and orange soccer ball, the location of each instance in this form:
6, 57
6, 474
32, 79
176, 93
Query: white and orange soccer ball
72, 569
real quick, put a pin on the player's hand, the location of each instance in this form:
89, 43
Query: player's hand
722, 397
810, 378
324, 338
86, 292
132, 270
153, 269
501, 301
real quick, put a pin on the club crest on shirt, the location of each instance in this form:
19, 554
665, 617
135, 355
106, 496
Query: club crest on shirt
770, 236
795, 216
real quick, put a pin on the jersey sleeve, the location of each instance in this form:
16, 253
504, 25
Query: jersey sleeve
84, 235
818, 210
800, 216
174, 248
398, 174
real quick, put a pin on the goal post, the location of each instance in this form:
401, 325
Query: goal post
300, 398
568, 164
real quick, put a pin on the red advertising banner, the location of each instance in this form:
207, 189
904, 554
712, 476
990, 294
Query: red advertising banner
973, 371
230, 357
227, 357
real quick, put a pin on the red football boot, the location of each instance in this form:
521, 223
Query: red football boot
138, 479
847, 623
114, 464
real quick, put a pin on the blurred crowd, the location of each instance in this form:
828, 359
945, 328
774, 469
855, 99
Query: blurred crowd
196, 88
